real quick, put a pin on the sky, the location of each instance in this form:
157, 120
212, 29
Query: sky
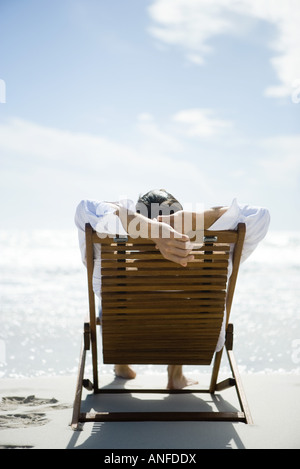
108, 99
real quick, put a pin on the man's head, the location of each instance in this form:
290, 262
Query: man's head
157, 202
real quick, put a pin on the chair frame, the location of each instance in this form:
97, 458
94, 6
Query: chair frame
89, 343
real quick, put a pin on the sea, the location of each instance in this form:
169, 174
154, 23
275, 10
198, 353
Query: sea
44, 302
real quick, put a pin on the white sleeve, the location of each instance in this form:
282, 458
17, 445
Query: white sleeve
256, 219
257, 222
101, 217
86, 213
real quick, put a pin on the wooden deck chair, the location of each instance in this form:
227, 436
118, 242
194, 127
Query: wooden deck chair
156, 312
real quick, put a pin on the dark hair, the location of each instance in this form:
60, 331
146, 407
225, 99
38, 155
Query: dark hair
157, 202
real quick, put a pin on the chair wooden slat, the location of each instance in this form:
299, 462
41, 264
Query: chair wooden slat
163, 264
132, 270
229, 236
167, 280
128, 247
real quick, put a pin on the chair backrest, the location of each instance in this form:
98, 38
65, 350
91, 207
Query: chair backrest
155, 311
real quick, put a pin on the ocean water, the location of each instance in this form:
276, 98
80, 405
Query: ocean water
43, 303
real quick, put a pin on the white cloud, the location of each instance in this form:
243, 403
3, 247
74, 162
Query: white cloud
177, 23
46, 171
48, 167
190, 24
145, 117
155, 139
201, 122
67, 150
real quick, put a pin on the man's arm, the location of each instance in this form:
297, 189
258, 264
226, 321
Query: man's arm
212, 215
185, 222
173, 245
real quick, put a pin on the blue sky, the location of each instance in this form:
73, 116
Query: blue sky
105, 99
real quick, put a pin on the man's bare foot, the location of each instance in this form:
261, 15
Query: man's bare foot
176, 379
124, 371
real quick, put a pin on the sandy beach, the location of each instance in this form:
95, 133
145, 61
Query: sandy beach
35, 413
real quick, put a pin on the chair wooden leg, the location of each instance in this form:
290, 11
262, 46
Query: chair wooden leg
81, 382
215, 372
235, 380
75, 425
89, 342
239, 388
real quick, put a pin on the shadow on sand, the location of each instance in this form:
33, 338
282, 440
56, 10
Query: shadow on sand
156, 435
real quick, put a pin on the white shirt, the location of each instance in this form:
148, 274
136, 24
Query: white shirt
101, 217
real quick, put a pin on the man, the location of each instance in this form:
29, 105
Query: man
160, 217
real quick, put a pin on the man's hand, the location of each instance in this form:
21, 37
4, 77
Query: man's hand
174, 246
